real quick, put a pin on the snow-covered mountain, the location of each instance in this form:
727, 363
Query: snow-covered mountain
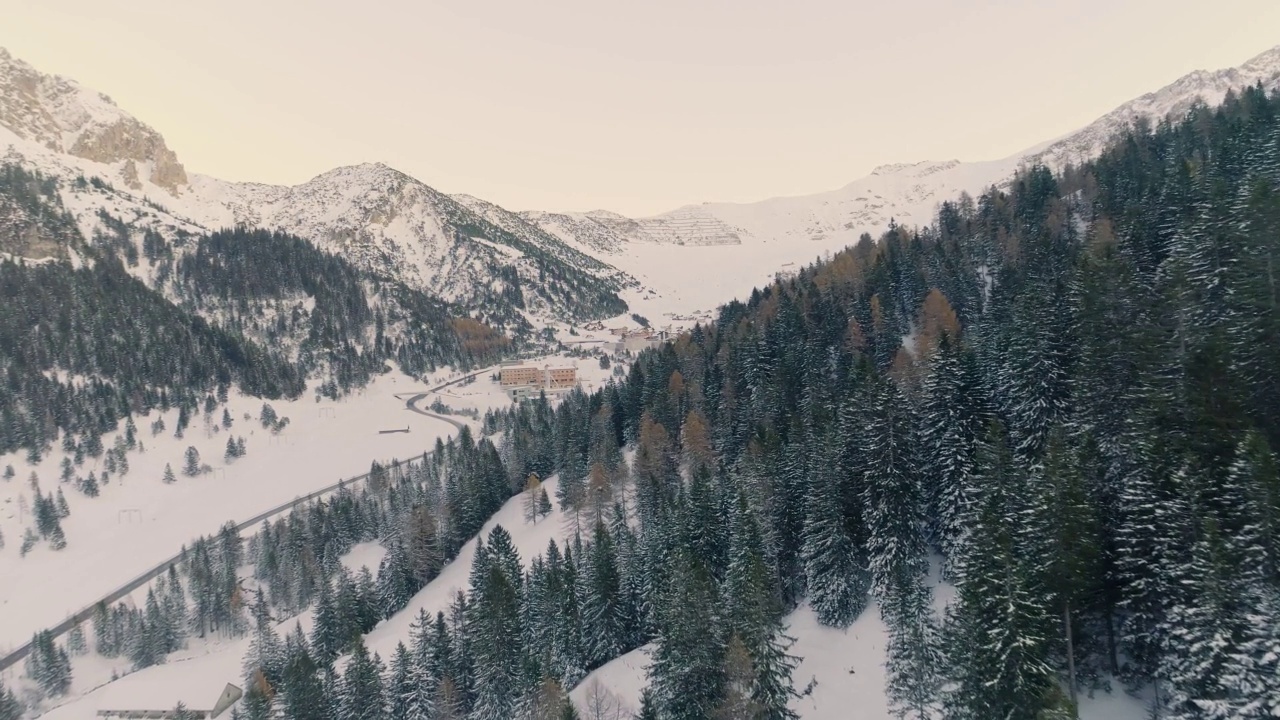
747, 243
394, 226
386, 223
64, 117
906, 192
483, 257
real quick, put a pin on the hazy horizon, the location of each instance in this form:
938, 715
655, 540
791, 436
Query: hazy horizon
636, 109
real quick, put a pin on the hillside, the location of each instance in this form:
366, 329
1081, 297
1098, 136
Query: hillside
389, 226
747, 243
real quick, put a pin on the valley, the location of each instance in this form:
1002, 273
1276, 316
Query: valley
835, 453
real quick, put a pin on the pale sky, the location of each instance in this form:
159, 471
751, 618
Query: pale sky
637, 107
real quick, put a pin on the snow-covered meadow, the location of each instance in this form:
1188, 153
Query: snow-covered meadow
138, 521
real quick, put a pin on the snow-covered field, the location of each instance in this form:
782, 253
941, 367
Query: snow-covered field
194, 676
138, 521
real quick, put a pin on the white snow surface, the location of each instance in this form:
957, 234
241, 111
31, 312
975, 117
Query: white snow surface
138, 521
847, 665
194, 676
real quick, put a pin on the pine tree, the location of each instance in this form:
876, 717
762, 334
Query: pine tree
913, 663
76, 641
687, 673
90, 485
403, 698
265, 655
544, 503
191, 467
329, 634
1204, 637
834, 568
603, 623
57, 540
1064, 534
63, 509
10, 708
891, 490
494, 619
995, 640
304, 694
361, 695
954, 419
168, 478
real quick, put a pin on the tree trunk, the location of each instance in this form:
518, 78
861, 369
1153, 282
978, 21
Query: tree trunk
1112, 652
1071, 657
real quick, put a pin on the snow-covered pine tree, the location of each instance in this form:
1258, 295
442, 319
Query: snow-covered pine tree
303, 694
191, 463
265, 654
603, 628
686, 674
913, 663
996, 621
834, 566
402, 690
10, 708
361, 695
953, 419
891, 492
1205, 629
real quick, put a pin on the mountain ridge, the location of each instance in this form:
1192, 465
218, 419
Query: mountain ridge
474, 253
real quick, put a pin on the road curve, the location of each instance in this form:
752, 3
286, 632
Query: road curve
83, 615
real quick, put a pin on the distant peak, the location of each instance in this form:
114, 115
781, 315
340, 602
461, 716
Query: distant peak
924, 167
605, 214
1267, 58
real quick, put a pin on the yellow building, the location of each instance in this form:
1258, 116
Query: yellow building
561, 378
521, 376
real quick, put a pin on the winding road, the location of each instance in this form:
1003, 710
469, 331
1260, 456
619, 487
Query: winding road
83, 615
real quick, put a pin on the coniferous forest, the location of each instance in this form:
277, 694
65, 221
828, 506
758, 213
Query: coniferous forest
1061, 399
1063, 393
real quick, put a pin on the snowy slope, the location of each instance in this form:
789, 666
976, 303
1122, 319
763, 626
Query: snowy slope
194, 676
392, 225
388, 224
699, 256
59, 114
138, 521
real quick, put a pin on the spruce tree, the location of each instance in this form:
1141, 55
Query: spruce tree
361, 695
602, 616
10, 708
687, 671
304, 696
995, 634
891, 492
834, 567
191, 465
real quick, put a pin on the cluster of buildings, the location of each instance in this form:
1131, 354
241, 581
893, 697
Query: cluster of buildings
523, 381
632, 342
